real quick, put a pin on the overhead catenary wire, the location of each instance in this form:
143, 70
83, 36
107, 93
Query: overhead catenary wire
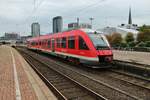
66, 15
87, 7
35, 8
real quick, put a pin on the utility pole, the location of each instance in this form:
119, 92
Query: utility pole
91, 19
78, 22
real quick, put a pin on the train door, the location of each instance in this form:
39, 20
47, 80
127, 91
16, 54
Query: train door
53, 45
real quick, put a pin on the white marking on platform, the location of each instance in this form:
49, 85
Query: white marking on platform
18, 94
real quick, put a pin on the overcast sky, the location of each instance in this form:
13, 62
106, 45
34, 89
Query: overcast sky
18, 15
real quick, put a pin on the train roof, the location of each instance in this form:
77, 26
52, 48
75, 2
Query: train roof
88, 31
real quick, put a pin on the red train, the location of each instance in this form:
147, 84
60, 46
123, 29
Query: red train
81, 46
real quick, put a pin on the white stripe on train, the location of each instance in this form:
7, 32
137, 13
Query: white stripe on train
95, 59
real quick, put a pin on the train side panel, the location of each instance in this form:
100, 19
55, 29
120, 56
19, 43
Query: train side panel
58, 44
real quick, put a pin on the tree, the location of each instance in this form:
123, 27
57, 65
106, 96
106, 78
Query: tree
144, 36
108, 36
144, 27
140, 37
147, 34
116, 39
129, 37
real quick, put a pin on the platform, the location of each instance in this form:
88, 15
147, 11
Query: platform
18, 81
132, 56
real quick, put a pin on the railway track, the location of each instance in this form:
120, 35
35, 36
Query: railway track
95, 83
64, 87
133, 86
132, 67
132, 79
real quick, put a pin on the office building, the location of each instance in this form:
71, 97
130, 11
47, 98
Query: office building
35, 29
57, 24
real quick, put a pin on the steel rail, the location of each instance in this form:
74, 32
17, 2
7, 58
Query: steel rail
59, 95
126, 74
102, 83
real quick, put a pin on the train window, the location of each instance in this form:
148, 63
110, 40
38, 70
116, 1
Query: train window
49, 44
43, 43
36, 43
82, 44
71, 42
33, 43
63, 43
58, 43
28, 42
40, 43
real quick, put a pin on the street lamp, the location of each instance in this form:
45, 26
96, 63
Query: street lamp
78, 22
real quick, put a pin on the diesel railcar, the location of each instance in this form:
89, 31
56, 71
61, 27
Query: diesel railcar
81, 45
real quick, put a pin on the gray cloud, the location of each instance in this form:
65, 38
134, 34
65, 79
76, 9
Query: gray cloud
17, 15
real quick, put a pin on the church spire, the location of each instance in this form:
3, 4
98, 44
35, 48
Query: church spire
130, 17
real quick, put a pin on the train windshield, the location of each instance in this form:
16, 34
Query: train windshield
99, 42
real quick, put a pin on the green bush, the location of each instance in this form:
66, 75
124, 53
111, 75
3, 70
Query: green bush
123, 45
148, 44
141, 44
131, 44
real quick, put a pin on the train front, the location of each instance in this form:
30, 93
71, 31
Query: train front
102, 46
